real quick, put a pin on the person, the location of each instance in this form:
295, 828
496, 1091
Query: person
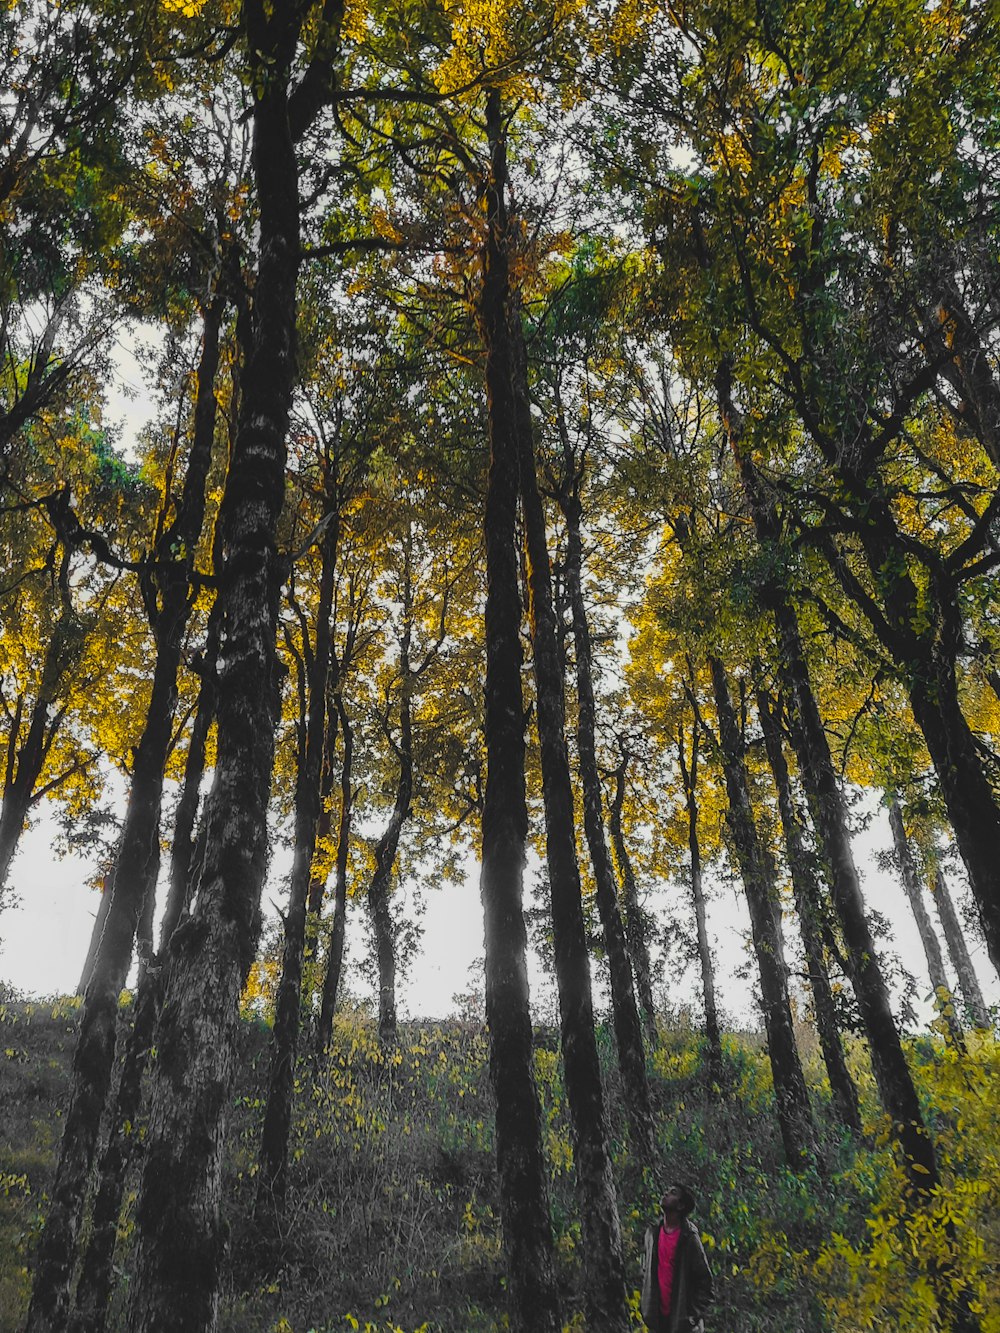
676, 1279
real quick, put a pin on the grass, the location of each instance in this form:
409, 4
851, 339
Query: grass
392, 1219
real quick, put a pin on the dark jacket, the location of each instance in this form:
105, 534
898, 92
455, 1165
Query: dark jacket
692, 1291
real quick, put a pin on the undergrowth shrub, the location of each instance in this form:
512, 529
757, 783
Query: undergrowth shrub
392, 1223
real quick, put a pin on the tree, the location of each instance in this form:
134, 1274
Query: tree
179, 1228
635, 931
758, 874
809, 907
520, 1163
944, 1001
313, 667
803, 283
689, 779
167, 596
628, 1029
601, 1225
815, 764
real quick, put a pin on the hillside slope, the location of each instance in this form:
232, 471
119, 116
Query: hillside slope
392, 1220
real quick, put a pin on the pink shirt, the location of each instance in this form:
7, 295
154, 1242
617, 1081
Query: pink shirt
665, 1265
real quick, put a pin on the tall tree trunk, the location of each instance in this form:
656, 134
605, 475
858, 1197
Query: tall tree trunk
943, 999
388, 844
133, 875
184, 844
895, 1082
182, 847
335, 950
713, 1034
958, 950
819, 780
602, 1244
93, 1291
272, 1179
97, 930
381, 916
625, 1012
94, 1288
523, 1176
808, 908
181, 1237
321, 868
759, 882
635, 931
324, 825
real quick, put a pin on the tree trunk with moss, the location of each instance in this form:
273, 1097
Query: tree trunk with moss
625, 1012
133, 875
181, 1237
272, 1180
760, 883
958, 951
96, 1281
635, 928
944, 1001
521, 1167
713, 1033
182, 847
809, 910
338, 929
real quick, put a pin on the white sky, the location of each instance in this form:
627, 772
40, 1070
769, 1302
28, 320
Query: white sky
43, 941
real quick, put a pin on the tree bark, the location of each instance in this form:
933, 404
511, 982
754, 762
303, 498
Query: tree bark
93, 1291
182, 847
335, 950
944, 1001
895, 1082
713, 1034
958, 950
324, 825
388, 844
381, 882
95, 936
272, 1178
635, 930
181, 1238
759, 882
133, 875
809, 909
602, 1245
94, 1288
625, 1012
523, 1177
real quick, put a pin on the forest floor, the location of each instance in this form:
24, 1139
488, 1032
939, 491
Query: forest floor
392, 1222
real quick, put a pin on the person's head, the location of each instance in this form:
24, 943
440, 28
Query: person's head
676, 1203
